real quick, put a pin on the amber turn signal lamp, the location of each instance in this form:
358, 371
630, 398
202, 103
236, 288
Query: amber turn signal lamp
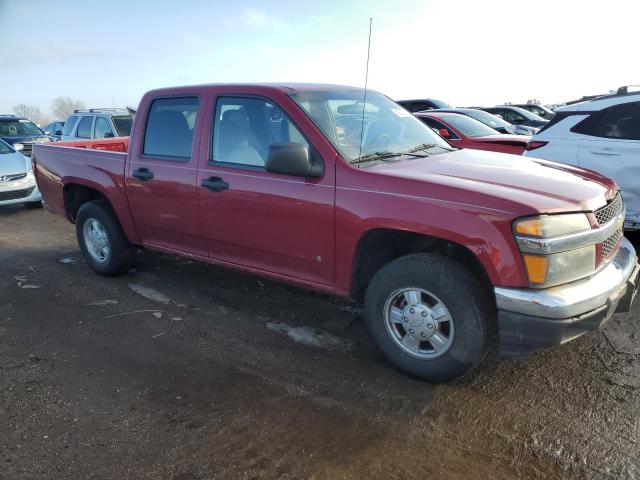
536, 266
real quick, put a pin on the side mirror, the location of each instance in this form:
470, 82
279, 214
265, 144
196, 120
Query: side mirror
290, 159
444, 133
58, 132
109, 135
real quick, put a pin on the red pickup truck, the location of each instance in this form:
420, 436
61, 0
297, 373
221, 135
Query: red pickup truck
450, 250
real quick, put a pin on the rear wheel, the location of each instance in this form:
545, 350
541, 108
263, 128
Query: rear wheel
430, 317
102, 241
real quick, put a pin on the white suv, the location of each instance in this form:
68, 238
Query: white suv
97, 123
601, 135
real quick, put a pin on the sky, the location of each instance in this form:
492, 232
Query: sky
468, 52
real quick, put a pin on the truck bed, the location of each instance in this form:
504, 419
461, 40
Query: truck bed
58, 166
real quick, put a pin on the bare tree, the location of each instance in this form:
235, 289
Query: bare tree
64, 106
30, 112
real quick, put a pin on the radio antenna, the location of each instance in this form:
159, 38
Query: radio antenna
364, 100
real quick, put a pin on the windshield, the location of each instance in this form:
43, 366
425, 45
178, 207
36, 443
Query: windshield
487, 118
527, 114
5, 148
387, 127
18, 128
439, 103
123, 125
468, 126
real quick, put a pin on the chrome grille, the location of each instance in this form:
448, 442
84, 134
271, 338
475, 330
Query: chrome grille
610, 244
16, 194
11, 178
609, 211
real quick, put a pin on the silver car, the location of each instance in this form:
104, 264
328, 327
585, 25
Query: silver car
17, 183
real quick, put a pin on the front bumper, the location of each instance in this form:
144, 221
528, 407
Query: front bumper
529, 318
22, 191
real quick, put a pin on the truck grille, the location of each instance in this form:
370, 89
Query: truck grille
611, 243
15, 194
610, 211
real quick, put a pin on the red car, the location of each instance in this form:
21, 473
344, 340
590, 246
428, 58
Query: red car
449, 250
466, 132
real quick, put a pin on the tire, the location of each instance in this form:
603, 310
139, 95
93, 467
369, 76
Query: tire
33, 205
446, 344
102, 241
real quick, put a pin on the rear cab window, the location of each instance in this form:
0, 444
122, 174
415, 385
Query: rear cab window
170, 127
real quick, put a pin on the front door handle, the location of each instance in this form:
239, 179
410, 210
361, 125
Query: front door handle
215, 184
142, 174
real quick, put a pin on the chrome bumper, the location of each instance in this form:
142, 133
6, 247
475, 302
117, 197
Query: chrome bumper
576, 298
529, 319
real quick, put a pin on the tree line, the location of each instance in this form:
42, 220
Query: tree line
61, 108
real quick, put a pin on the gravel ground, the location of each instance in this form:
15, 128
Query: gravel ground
184, 371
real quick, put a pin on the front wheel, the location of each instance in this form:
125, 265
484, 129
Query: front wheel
429, 316
102, 241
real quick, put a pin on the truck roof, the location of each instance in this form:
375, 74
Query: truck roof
280, 87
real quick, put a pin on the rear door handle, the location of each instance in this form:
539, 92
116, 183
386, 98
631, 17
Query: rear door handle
611, 153
142, 174
215, 184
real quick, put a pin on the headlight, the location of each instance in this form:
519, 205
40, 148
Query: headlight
556, 249
558, 268
552, 225
18, 147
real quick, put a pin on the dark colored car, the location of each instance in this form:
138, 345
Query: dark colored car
419, 105
21, 133
539, 110
491, 120
517, 115
54, 130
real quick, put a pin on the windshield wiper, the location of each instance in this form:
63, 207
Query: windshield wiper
384, 155
428, 146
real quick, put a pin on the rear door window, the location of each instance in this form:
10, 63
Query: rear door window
170, 126
103, 128
84, 127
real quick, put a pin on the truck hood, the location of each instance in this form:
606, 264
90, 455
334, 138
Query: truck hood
12, 163
502, 181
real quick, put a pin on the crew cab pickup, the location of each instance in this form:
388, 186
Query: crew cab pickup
449, 250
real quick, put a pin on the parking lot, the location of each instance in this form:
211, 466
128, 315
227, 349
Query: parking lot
180, 370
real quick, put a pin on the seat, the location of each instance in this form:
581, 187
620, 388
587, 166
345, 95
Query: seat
235, 140
168, 133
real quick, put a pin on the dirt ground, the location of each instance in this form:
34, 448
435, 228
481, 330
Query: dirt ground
184, 371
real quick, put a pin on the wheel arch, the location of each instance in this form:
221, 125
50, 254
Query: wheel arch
77, 193
379, 246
